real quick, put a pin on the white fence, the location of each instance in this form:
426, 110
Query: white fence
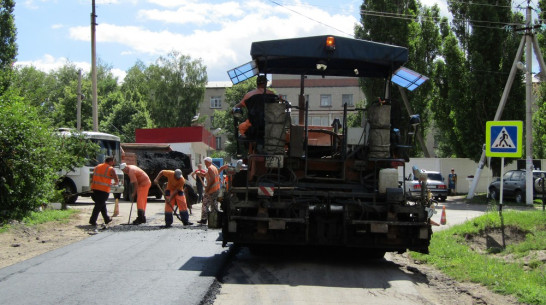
463, 168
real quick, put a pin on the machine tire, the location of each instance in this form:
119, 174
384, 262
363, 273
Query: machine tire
518, 197
493, 193
69, 190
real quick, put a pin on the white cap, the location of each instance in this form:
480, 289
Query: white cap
208, 159
122, 166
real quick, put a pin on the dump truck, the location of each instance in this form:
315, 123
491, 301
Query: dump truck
153, 158
304, 185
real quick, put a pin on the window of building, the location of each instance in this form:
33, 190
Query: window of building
218, 143
216, 102
295, 119
325, 100
347, 99
212, 121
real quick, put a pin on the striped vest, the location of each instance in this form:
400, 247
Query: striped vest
101, 178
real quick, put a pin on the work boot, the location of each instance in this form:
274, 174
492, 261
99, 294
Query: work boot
143, 218
140, 218
202, 221
108, 220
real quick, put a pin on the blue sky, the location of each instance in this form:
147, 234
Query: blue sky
51, 32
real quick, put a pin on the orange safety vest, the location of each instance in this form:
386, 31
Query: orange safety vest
101, 178
216, 185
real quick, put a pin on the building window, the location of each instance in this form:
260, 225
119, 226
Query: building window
347, 99
212, 121
325, 100
216, 102
295, 119
218, 143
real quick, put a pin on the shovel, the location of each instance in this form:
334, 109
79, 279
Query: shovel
130, 211
175, 208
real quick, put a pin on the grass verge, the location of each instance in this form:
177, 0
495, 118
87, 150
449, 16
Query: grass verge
36, 218
522, 275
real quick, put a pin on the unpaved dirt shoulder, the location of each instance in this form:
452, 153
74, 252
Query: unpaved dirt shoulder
451, 291
22, 242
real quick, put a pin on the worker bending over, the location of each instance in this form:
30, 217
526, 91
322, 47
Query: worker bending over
174, 194
140, 183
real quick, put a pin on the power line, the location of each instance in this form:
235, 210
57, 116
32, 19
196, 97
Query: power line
416, 18
317, 21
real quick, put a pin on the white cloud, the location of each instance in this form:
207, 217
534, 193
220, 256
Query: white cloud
194, 13
225, 46
49, 63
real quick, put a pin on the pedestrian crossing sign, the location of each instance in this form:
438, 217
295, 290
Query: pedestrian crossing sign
504, 139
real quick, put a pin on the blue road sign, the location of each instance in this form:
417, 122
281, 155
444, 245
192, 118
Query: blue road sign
504, 139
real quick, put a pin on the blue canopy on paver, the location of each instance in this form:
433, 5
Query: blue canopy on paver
349, 57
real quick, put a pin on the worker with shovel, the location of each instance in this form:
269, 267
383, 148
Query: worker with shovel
140, 183
174, 194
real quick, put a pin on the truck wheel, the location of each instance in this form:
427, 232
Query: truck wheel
493, 194
69, 192
519, 197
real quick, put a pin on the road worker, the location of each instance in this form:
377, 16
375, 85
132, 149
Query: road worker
261, 83
102, 179
199, 175
174, 194
140, 183
212, 189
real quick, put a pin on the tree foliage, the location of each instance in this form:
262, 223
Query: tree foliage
8, 47
176, 89
404, 23
31, 157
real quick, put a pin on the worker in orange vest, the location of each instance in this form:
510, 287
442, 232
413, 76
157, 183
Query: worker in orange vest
212, 189
100, 184
140, 183
174, 194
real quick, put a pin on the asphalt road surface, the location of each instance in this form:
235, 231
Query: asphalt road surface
150, 265
123, 264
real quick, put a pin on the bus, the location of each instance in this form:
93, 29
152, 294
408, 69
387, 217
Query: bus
78, 181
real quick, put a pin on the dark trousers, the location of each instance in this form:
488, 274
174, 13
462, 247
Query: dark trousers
199, 186
99, 197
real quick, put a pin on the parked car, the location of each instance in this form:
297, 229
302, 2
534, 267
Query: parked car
435, 183
514, 185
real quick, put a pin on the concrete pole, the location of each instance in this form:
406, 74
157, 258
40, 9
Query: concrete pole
79, 106
529, 112
94, 70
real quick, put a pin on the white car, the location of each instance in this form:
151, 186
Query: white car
435, 183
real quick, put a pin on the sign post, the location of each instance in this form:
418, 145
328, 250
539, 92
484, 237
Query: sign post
503, 139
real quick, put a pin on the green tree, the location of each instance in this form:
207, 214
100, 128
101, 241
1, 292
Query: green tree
404, 23
31, 156
8, 47
488, 51
35, 87
177, 87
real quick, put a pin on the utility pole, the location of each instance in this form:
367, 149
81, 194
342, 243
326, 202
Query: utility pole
530, 42
94, 69
528, 110
79, 106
